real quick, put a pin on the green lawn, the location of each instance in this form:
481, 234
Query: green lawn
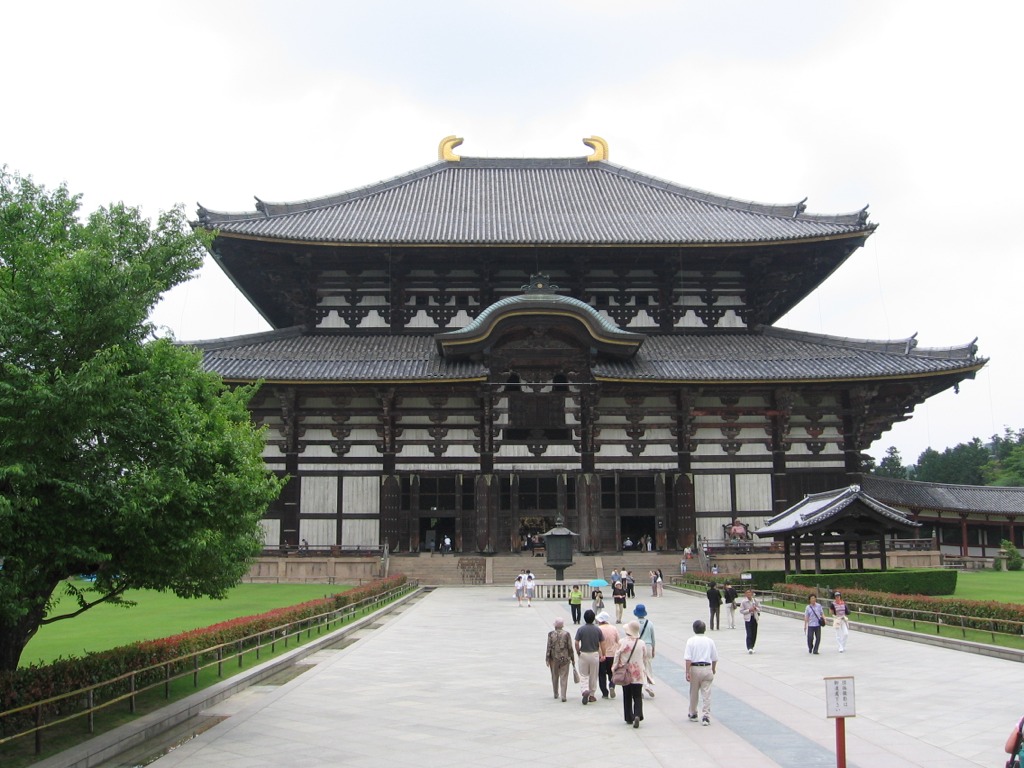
159, 614
1003, 586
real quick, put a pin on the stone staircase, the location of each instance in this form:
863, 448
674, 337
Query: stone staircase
473, 569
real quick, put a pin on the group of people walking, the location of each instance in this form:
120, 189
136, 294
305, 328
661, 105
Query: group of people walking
607, 661
815, 619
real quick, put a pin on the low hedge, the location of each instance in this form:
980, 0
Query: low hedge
38, 682
903, 581
760, 580
988, 615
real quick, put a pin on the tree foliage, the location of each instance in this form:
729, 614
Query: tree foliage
959, 465
891, 465
119, 456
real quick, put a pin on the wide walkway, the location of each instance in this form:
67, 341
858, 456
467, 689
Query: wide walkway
459, 679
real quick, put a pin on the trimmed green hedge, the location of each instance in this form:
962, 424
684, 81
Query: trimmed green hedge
902, 581
36, 683
760, 580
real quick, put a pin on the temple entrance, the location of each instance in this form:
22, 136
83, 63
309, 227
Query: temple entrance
433, 530
635, 531
531, 528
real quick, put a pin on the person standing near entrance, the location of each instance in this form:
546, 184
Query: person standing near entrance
701, 658
446, 545
529, 589
715, 606
751, 610
730, 596
840, 620
814, 620
576, 603
588, 648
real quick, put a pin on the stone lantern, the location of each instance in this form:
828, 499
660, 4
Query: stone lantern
558, 546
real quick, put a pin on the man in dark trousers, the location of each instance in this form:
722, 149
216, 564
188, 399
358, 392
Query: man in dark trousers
715, 606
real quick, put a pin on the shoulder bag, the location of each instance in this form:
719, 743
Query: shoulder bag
621, 674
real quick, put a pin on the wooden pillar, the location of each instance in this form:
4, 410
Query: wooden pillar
860, 554
390, 510
588, 511
684, 522
881, 550
817, 553
799, 546
786, 542
488, 500
846, 554
964, 550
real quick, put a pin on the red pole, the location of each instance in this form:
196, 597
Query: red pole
840, 742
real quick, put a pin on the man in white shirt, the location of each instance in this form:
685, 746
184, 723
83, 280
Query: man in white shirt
701, 658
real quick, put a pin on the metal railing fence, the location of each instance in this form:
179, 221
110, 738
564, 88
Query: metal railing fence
38, 716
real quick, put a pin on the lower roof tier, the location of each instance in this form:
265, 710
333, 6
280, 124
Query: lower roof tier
766, 356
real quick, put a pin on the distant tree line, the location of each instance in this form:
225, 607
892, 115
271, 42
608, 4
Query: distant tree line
999, 461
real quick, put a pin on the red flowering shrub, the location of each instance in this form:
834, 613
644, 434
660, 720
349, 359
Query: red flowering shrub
38, 682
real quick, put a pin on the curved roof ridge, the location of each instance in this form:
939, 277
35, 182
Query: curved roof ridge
265, 209
268, 209
949, 486
906, 346
784, 210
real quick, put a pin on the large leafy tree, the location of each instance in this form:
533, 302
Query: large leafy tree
119, 456
959, 465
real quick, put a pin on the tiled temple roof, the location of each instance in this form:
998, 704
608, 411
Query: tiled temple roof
942, 496
543, 201
769, 355
815, 511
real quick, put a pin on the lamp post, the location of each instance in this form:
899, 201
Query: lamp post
558, 547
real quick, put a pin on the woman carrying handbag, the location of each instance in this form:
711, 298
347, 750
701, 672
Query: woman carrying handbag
628, 666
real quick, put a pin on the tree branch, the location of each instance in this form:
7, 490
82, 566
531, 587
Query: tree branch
115, 593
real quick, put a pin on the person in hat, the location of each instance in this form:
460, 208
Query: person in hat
631, 654
701, 657
647, 635
588, 648
840, 620
559, 657
609, 643
619, 599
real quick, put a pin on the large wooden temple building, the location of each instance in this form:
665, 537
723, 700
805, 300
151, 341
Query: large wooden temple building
480, 345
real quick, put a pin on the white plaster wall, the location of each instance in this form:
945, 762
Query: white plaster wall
360, 495
319, 532
360, 533
271, 532
319, 495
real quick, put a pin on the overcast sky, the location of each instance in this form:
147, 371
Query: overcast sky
911, 107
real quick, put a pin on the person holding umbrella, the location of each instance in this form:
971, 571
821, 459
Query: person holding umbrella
596, 595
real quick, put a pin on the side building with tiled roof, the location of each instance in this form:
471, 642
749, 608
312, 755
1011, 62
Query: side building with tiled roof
482, 345
964, 520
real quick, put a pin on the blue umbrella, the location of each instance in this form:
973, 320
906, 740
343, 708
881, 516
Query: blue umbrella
598, 583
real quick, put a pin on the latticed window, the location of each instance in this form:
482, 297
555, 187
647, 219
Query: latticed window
534, 415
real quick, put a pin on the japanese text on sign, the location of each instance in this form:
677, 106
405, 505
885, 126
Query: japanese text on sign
839, 699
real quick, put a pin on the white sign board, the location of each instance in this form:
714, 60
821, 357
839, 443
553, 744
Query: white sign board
746, 576
839, 699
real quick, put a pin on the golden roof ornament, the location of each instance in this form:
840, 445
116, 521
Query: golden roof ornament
444, 149
600, 147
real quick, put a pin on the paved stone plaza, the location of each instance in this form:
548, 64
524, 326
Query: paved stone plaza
458, 679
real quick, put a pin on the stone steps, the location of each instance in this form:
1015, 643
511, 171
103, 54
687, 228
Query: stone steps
502, 569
